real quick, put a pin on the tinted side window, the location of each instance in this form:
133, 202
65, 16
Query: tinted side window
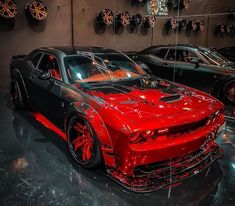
35, 59
161, 53
175, 55
190, 57
171, 55
49, 63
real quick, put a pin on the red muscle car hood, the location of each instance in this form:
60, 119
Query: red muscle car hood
151, 100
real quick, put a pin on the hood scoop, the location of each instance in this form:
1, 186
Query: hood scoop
171, 98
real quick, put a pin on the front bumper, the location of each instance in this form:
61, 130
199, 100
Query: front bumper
153, 165
169, 172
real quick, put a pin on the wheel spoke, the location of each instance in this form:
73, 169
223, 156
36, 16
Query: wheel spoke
78, 143
79, 127
86, 151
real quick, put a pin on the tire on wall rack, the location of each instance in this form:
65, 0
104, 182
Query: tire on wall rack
8, 9
136, 20
172, 4
36, 10
182, 24
123, 18
220, 28
171, 24
184, 4
149, 21
202, 26
105, 17
83, 144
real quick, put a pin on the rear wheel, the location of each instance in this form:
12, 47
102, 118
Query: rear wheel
82, 143
17, 95
228, 94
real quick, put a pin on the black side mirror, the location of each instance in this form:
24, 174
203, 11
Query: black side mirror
196, 62
45, 75
144, 67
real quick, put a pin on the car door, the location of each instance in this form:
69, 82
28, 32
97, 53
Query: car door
46, 93
193, 71
170, 63
157, 64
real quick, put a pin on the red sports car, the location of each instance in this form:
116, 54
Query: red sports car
148, 132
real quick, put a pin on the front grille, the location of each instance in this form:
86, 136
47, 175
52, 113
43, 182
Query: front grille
187, 128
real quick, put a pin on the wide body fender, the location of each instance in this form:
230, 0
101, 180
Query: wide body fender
87, 112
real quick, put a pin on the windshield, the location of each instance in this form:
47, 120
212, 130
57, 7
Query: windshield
98, 67
214, 57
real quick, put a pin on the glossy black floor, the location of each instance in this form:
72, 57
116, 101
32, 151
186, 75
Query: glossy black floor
36, 170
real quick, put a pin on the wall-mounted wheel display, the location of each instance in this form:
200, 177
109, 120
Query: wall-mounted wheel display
229, 29
193, 25
36, 10
172, 3
123, 19
202, 26
182, 24
140, 1
149, 21
8, 9
220, 29
184, 4
136, 20
105, 17
171, 24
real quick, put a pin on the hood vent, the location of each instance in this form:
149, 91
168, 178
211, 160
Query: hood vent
171, 98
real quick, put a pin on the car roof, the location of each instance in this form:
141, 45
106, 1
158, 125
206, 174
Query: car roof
69, 50
168, 46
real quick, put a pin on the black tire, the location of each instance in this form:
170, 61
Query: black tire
17, 95
228, 92
95, 159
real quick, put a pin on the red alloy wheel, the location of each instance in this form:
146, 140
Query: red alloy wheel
8, 9
81, 141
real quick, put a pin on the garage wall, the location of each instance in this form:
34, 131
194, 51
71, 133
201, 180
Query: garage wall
85, 14
24, 37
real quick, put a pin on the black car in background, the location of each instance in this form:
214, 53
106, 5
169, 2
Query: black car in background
228, 52
197, 67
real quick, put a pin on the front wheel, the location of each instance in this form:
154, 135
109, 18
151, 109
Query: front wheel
83, 144
228, 94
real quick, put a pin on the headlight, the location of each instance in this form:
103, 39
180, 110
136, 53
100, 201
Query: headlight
140, 137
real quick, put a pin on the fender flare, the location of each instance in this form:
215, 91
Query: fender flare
220, 84
18, 76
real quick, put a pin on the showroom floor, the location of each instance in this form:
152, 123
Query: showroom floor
36, 170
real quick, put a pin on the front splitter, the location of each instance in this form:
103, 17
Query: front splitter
155, 180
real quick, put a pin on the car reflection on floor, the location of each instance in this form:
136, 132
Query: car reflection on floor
36, 169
